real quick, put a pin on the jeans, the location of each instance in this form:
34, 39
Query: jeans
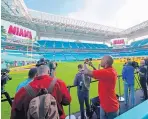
143, 86
132, 94
83, 96
110, 115
95, 101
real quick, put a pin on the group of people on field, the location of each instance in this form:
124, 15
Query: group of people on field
40, 83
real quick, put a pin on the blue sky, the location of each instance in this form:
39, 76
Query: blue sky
117, 13
59, 7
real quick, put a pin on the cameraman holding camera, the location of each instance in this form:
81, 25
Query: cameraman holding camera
109, 105
143, 78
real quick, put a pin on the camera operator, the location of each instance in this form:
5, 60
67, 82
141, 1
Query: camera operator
109, 105
43, 80
4, 78
142, 74
128, 78
82, 82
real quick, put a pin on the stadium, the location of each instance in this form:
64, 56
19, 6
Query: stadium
28, 35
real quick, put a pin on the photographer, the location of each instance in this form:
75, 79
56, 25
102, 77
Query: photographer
109, 105
60, 92
83, 83
128, 78
142, 74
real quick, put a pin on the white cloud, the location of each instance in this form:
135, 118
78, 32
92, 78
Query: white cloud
117, 13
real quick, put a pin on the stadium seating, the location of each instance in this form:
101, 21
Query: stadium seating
139, 43
66, 45
70, 56
72, 45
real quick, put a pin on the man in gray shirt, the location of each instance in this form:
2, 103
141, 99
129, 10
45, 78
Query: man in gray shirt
83, 83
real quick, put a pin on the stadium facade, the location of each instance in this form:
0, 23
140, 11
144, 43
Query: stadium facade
34, 34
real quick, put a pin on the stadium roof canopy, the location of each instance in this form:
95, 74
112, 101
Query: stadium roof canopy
48, 25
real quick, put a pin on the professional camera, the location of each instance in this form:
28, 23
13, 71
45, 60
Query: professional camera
135, 64
51, 64
4, 78
88, 61
42, 61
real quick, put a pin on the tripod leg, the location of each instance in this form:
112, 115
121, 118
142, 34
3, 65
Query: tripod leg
8, 98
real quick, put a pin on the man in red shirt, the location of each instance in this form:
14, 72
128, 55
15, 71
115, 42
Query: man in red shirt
106, 88
43, 80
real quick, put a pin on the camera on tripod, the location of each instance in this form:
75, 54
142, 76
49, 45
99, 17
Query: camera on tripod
135, 64
51, 64
4, 78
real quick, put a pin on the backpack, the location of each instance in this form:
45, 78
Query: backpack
85, 83
43, 105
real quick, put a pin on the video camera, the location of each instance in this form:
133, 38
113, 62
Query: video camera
51, 64
135, 64
4, 78
88, 61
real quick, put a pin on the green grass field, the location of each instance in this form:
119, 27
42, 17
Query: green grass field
65, 71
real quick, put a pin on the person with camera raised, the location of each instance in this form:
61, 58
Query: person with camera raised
128, 78
82, 82
109, 105
143, 78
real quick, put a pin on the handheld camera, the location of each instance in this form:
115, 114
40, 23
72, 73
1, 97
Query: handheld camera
4, 78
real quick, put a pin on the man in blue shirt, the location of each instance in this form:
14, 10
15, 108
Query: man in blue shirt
31, 74
128, 78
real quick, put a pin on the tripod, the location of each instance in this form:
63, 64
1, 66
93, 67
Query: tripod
121, 99
137, 80
7, 97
